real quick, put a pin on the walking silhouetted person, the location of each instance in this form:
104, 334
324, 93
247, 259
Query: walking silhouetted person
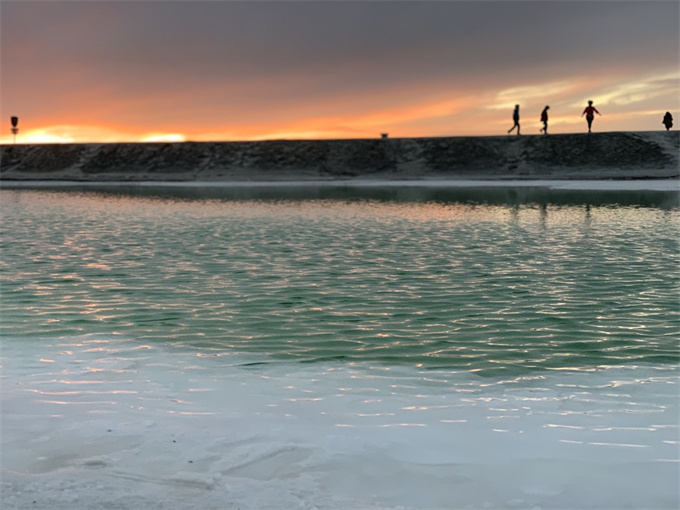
667, 120
588, 112
544, 120
515, 118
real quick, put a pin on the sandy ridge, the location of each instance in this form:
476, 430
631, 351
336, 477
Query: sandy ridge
615, 155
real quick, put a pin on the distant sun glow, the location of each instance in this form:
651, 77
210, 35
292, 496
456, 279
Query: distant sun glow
169, 137
634, 105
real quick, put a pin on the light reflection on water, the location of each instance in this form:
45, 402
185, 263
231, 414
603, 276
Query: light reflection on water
493, 288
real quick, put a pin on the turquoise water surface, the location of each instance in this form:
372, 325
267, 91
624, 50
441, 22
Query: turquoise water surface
491, 288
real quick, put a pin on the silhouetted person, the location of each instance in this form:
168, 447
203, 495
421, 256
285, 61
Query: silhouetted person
667, 120
588, 112
515, 118
544, 120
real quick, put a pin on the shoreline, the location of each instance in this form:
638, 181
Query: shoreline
657, 193
663, 185
596, 156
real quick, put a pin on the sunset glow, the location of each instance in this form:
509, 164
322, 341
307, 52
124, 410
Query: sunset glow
212, 71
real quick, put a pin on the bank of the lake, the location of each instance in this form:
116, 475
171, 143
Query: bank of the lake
616, 155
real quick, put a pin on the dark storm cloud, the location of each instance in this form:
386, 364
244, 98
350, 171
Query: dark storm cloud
264, 39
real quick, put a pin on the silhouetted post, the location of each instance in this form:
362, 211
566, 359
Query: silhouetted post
15, 129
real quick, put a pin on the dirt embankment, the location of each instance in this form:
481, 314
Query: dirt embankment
571, 156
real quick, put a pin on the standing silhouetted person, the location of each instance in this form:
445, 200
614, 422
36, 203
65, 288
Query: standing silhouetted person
544, 120
515, 118
667, 120
588, 112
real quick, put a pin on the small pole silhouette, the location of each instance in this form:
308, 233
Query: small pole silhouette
15, 129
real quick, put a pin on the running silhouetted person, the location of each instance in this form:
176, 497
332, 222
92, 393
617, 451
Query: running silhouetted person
667, 120
588, 112
544, 120
515, 118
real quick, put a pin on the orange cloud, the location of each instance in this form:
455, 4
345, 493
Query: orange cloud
418, 111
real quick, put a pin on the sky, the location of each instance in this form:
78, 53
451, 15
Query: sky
158, 70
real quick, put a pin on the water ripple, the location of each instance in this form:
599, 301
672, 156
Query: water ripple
493, 289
